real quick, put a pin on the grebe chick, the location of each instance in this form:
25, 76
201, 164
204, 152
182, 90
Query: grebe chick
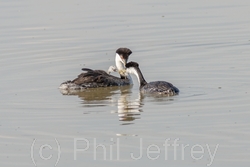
156, 87
112, 69
99, 78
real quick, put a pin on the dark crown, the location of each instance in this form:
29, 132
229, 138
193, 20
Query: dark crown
132, 64
124, 51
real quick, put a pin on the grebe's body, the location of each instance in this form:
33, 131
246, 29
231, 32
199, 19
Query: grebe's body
157, 87
99, 78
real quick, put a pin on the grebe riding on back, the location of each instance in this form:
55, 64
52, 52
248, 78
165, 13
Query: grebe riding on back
99, 78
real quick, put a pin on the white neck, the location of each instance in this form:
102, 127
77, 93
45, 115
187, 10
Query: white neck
132, 70
120, 66
118, 62
130, 79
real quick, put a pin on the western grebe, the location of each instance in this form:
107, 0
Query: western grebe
157, 87
99, 78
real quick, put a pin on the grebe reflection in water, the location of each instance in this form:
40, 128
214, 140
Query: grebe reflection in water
121, 99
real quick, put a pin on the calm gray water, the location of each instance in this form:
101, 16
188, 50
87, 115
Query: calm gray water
202, 47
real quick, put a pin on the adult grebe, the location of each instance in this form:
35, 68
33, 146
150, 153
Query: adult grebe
157, 87
99, 78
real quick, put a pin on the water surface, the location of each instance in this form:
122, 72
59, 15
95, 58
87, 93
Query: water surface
201, 47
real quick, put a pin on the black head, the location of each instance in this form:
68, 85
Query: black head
132, 64
124, 52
